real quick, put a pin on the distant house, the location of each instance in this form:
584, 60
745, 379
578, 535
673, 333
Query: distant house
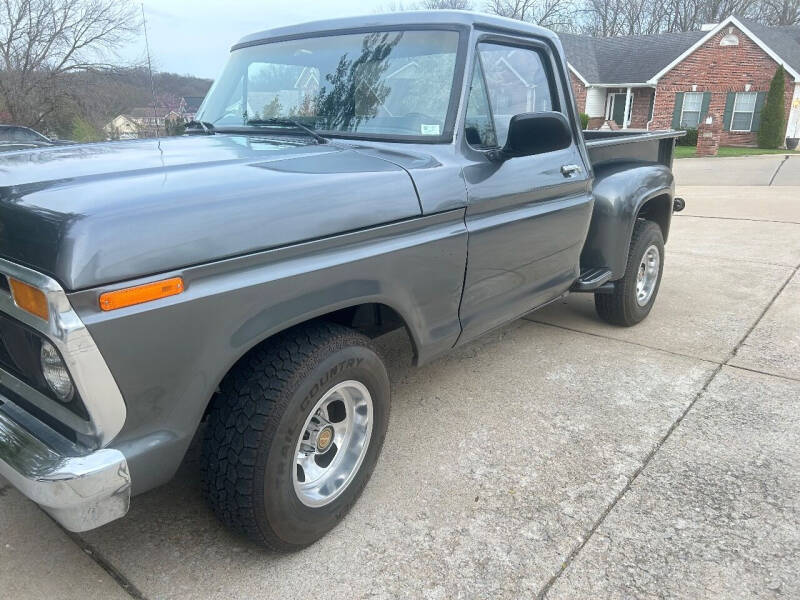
141, 122
680, 79
190, 105
150, 119
121, 127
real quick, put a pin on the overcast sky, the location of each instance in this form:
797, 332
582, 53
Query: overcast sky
194, 37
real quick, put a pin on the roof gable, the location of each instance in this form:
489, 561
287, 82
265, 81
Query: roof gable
775, 36
646, 58
784, 41
193, 102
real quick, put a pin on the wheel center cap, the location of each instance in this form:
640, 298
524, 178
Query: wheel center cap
324, 438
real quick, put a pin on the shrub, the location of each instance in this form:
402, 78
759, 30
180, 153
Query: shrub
175, 127
690, 139
84, 131
584, 121
773, 125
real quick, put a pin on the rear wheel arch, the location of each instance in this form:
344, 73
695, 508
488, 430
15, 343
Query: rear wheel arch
624, 193
657, 208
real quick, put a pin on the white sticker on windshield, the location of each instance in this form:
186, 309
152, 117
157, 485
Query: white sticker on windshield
429, 129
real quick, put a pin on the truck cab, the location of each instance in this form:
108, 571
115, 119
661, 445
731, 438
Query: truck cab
345, 178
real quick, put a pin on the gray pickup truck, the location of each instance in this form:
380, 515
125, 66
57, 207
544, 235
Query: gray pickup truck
424, 171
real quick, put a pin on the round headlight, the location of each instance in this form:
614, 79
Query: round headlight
55, 372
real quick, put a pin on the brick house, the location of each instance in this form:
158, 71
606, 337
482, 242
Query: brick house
677, 80
190, 105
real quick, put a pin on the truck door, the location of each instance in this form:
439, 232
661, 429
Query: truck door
527, 217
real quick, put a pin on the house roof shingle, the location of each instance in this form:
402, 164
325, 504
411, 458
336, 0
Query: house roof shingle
143, 112
193, 103
626, 59
638, 58
582, 55
784, 41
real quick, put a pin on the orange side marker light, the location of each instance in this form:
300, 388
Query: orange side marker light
141, 293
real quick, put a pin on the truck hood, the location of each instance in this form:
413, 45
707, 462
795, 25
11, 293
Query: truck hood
99, 213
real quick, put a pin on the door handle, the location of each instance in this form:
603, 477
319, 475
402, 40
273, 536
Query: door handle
570, 170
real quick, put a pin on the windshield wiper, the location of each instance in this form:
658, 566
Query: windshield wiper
200, 127
289, 123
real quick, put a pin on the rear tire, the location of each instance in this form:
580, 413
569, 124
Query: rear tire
275, 406
634, 295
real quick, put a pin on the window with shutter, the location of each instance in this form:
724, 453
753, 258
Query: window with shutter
744, 107
692, 105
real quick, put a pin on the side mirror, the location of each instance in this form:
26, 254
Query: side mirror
534, 133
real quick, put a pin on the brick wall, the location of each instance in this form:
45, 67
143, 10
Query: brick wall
579, 90
719, 70
640, 112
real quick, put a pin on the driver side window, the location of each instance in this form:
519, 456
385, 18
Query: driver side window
507, 81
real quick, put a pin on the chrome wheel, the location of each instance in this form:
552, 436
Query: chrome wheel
333, 443
647, 276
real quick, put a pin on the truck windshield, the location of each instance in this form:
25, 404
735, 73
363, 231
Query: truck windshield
395, 83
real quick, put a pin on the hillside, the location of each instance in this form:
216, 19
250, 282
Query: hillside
94, 98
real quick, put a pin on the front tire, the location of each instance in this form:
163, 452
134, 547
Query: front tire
295, 433
634, 295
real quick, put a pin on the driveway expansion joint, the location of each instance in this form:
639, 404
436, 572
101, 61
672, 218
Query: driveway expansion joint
574, 553
621, 341
752, 220
765, 373
127, 586
650, 455
738, 259
761, 315
775, 174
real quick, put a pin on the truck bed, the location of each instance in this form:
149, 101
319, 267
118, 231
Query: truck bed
627, 145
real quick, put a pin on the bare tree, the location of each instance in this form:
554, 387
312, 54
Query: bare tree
398, 5
779, 12
644, 17
555, 14
604, 18
687, 15
44, 42
447, 4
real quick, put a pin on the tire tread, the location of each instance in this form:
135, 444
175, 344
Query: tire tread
245, 415
614, 308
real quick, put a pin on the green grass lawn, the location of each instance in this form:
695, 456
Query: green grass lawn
688, 151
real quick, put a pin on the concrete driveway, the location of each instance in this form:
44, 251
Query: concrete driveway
557, 457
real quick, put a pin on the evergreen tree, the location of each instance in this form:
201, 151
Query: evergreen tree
84, 131
773, 123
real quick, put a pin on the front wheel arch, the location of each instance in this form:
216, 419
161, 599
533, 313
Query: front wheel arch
370, 318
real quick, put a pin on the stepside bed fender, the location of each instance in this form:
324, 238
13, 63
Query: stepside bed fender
622, 193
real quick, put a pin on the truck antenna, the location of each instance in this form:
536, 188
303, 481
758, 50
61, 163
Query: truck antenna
150, 71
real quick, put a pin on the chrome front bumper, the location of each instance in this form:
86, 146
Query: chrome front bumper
80, 491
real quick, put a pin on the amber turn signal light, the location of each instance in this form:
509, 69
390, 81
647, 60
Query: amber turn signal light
141, 293
29, 298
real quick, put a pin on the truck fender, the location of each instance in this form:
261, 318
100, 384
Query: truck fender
624, 192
